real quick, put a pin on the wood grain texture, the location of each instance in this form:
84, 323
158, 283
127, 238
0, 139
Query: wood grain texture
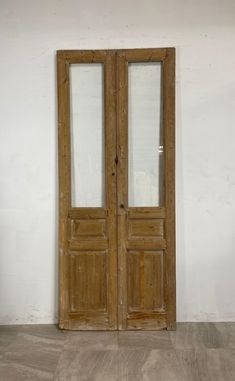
169, 165
117, 263
143, 230
122, 181
88, 267
144, 55
87, 228
88, 286
64, 179
146, 280
146, 212
111, 184
146, 228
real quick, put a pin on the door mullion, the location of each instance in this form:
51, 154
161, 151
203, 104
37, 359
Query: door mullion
122, 183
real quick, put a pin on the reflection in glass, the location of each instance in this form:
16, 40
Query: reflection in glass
87, 135
145, 147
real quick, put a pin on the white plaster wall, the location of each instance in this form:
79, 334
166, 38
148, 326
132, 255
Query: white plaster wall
203, 32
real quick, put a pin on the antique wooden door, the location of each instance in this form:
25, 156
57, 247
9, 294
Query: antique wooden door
116, 189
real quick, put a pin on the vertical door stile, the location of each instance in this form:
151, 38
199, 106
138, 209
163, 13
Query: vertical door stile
64, 180
122, 179
111, 180
169, 158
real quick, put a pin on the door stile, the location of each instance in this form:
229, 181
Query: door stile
111, 183
122, 180
64, 181
169, 182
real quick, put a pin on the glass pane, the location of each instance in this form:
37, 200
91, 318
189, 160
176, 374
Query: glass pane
144, 135
87, 135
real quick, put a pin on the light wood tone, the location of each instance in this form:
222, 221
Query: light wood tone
87, 228
117, 263
87, 244
146, 243
122, 181
145, 228
144, 55
169, 182
64, 180
88, 268
146, 236
88, 265
145, 281
84, 56
87, 213
144, 212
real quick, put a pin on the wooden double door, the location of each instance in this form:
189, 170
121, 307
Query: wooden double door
116, 189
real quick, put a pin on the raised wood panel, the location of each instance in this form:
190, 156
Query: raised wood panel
88, 228
146, 228
145, 281
88, 281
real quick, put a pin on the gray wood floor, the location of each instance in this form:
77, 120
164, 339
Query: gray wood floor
196, 351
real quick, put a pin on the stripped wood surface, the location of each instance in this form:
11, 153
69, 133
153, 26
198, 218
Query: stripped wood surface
117, 263
88, 267
146, 235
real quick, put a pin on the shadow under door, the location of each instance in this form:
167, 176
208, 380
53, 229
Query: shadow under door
116, 189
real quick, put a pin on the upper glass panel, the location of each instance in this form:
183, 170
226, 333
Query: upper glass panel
87, 135
145, 177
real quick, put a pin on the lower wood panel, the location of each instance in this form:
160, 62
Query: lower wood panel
89, 268
145, 281
88, 281
144, 275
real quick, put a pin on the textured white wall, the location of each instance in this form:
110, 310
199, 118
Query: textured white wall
203, 33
